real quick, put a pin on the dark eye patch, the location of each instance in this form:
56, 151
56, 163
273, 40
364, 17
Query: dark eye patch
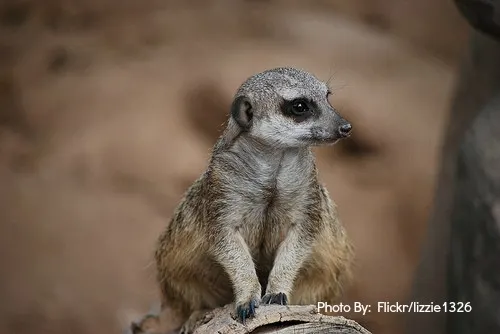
299, 109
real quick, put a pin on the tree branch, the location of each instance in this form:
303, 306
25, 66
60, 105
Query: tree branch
278, 319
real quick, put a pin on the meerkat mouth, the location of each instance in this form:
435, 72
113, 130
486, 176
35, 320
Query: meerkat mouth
315, 140
330, 141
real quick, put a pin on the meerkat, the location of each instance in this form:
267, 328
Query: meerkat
258, 227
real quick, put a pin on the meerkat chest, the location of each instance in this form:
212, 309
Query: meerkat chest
267, 194
270, 211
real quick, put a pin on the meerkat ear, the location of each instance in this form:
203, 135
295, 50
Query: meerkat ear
241, 111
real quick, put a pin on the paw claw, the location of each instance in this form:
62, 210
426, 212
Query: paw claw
246, 310
275, 298
193, 321
148, 324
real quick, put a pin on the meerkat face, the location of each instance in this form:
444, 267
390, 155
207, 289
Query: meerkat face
287, 107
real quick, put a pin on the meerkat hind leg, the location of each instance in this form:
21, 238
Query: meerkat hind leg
190, 293
196, 318
148, 324
209, 288
325, 273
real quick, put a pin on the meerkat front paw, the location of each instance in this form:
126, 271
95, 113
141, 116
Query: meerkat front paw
279, 298
247, 309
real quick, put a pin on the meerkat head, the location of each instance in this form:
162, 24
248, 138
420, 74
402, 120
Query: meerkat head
287, 107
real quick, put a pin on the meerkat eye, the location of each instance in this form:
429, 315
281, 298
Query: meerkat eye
299, 107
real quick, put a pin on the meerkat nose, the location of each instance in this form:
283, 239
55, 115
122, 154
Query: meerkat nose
345, 130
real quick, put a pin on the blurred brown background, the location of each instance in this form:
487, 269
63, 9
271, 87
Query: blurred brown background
108, 110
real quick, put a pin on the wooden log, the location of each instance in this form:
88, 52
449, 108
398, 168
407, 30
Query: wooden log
278, 319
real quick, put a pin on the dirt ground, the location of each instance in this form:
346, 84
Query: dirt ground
109, 112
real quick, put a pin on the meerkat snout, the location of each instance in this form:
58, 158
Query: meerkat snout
345, 130
287, 107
